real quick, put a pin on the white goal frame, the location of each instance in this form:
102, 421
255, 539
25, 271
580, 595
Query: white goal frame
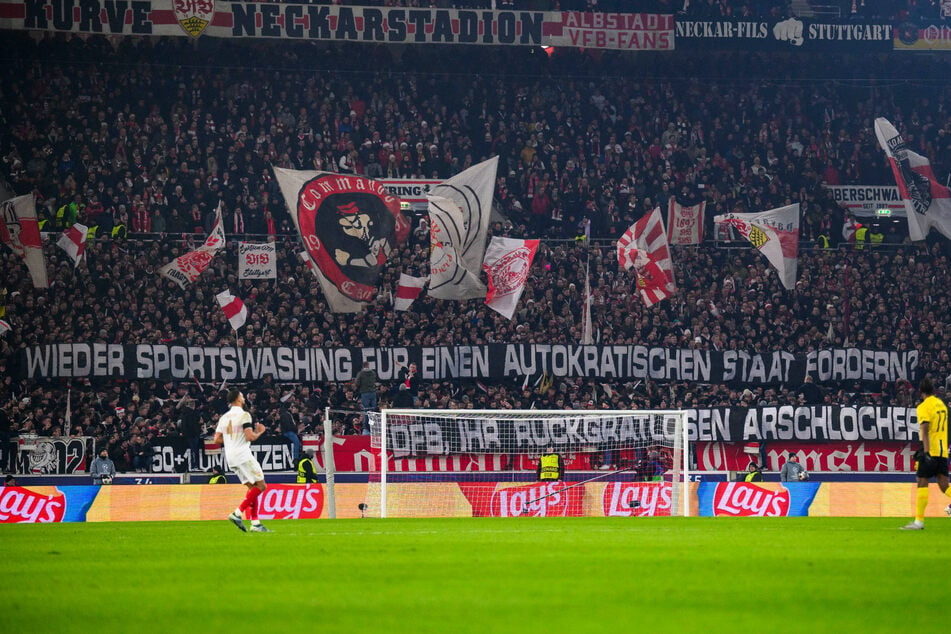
681, 453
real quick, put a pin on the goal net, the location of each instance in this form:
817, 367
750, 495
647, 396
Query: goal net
478, 463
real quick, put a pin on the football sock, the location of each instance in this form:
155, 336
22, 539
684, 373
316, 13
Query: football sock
250, 498
238, 512
255, 522
920, 504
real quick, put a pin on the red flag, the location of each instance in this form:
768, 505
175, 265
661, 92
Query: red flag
234, 309
644, 248
73, 242
408, 290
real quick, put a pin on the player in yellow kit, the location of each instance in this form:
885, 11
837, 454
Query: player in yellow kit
933, 455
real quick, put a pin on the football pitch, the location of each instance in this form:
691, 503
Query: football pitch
476, 575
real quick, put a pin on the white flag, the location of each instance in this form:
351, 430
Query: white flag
775, 233
73, 242
4, 327
507, 263
185, 269
587, 328
927, 202
349, 226
20, 231
257, 261
234, 308
644, 248
685, 224
408, 289
459, 212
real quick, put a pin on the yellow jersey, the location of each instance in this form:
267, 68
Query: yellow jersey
933, 411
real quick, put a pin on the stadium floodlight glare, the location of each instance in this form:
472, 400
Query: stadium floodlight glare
439, 463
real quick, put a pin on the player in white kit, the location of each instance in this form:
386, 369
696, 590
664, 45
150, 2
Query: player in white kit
237, 433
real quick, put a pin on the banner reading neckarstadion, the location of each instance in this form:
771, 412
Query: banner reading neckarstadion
372, 25
491, 361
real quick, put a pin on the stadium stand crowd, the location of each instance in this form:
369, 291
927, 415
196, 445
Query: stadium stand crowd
142, 141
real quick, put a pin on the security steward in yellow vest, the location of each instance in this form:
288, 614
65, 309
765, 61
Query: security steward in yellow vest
306, 473
550, 466
861, 237
217, 477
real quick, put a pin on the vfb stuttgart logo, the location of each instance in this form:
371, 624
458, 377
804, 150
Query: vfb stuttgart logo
194, 16
511, 271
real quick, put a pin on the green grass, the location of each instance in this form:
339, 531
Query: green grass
476, 575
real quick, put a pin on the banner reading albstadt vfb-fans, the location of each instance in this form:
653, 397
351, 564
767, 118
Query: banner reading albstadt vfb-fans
372, 25
491, 361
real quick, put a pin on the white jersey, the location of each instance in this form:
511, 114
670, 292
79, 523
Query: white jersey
231, 426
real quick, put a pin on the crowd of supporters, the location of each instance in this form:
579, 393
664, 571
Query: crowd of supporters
143, 141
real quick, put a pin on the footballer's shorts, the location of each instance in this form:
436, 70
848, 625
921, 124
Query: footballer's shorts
250, 471
932, 468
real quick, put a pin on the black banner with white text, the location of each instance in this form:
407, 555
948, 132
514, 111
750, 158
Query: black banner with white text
492, 361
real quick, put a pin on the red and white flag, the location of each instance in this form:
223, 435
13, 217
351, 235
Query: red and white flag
4, 327
507, 262
20, 231
685, 224
234, 308
927, 202
185, 269
73, 242
775, 233
408, 289
644, 248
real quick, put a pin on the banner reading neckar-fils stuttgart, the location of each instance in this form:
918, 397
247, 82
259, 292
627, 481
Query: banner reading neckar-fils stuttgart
372, 25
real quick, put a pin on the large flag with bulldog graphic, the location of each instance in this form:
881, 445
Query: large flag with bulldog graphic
927, 202
349, 226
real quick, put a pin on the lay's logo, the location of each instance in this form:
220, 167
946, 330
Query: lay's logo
742, 499
22, 506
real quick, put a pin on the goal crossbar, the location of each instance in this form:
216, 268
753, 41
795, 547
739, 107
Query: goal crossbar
675, 442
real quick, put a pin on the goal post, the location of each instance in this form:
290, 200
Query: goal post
474, 463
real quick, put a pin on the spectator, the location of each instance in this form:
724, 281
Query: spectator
365, 386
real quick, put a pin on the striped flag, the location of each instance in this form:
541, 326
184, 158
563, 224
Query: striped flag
644, 248
927, 202
73, 242
408, 289
234, 309
4, 327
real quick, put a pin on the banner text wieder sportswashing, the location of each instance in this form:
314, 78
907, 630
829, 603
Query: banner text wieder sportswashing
491, 361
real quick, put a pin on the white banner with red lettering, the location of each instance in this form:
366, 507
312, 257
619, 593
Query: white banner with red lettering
685, 224
257, 261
